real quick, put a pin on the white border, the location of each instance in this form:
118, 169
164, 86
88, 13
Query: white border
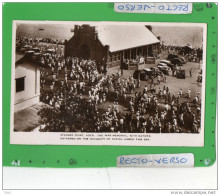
40, 138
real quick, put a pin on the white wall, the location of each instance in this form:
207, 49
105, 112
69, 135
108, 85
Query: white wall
31, 92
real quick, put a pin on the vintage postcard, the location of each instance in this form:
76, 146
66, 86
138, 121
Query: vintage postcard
108, 83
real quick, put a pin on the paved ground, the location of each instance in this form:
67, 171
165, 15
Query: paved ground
27, 119
173, 83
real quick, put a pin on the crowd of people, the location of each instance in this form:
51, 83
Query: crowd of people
143, 114
81, 98
78, 95
190, 53
21, 41
43, 46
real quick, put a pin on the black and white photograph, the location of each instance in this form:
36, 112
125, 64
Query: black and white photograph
108, 83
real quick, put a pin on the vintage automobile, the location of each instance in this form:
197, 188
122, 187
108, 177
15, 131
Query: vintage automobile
168, 63
180, 74
183, 60
25, 48
46, 55
145, 74
36, 49
177, 61
36, 56
164, 69
29, 52
51, 51
172, 56
162, 65
156, 71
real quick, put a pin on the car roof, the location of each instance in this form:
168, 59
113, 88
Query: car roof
163, 64
30, 51
37, 54
167, 61
147, 69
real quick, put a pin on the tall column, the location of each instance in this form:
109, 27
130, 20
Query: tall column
147, 50
130, 53
136, 53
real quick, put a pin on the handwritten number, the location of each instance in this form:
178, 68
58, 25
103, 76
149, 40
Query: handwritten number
168, 7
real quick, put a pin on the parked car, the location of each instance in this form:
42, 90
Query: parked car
29, 52
37, 56
177, 61
46, 55
168, 63
51, 51
162, 65
25, 48
145, 74
181, 74
172, 56
156, 71
183, 60
164, 69
36, 50
148, 71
